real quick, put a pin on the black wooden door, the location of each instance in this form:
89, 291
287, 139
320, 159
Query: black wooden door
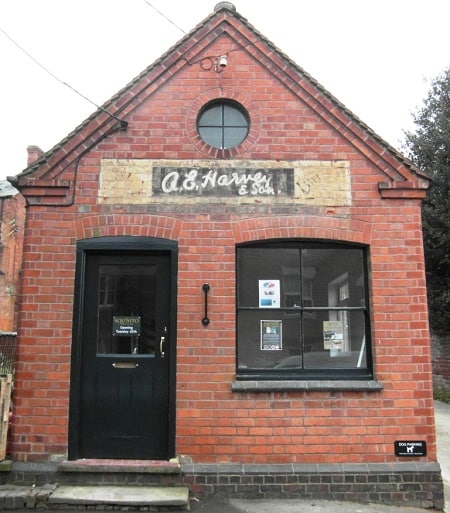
125, 353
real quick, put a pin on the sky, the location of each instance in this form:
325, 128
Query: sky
377, 57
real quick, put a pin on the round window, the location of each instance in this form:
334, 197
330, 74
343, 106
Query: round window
223, 124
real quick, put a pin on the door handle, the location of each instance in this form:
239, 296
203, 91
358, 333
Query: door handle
161, 346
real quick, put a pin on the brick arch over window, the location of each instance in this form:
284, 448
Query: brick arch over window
222, 93
308, 227
139, 225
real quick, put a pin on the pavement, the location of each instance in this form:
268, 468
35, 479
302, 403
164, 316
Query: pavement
442, 418
24, 499
212, 505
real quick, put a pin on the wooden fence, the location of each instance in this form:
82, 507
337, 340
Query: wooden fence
7, 368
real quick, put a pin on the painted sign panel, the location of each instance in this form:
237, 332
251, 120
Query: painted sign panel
235, 182
205, 181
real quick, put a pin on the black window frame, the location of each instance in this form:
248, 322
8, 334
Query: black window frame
221, 125
265, 374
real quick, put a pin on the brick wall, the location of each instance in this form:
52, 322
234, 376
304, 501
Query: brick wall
214, 424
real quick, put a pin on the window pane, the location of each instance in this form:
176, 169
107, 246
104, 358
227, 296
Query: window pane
233, 117
290, 283
212, 136
333, 277
334, 340
268, 339
234, 136
211, 116
257, 264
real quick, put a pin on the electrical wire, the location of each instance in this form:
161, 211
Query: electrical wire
164, 16
57, 78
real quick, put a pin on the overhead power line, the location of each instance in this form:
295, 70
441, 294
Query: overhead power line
57, 78
164, 16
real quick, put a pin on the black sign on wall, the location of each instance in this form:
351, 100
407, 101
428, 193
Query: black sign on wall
223, 182
410, 448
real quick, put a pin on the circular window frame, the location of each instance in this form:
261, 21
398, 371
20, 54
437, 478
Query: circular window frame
222, 94
224, 131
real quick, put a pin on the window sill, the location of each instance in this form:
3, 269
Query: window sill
309, 386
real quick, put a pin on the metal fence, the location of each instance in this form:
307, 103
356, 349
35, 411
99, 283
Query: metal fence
7, 352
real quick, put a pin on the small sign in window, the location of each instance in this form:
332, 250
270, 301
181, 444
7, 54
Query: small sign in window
126, 326
271, 335
269, 293
333, 335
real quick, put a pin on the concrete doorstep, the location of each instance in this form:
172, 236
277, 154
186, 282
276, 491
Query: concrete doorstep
121, 495
40, 497
20, 497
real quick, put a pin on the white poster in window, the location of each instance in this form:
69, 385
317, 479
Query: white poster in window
333, 335
269, 293
271, 335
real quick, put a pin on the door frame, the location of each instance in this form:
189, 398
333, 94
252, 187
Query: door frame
128, 245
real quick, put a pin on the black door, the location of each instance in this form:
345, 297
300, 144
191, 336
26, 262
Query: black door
124, 357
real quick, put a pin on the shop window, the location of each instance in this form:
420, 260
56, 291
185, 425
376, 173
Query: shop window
302, 311
223, 124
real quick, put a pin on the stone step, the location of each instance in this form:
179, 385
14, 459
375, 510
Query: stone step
121, 466
121, 496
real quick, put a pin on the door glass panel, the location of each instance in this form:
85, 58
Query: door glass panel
126, 309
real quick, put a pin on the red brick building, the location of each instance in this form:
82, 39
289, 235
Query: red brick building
223, 264
12, 218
